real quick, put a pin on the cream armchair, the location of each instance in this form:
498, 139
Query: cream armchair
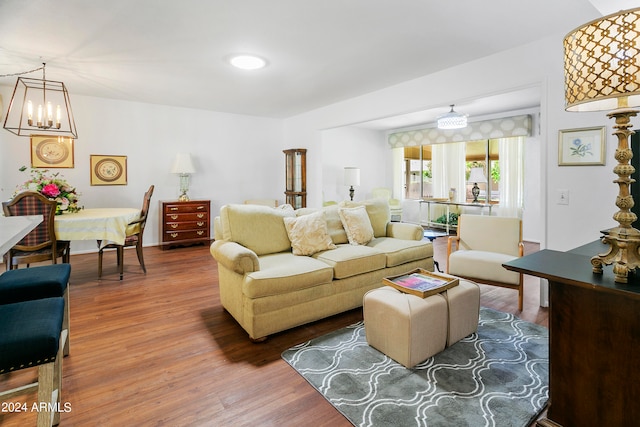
482, 245
395, 205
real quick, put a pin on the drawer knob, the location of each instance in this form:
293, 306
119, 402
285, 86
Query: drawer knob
174, 225
200, 223
174, 216
173, 209
200, 232
200, 207
174, 235
200, 215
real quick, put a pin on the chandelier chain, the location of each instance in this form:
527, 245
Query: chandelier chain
23, 72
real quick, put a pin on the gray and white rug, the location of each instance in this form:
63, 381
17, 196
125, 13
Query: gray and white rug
495, 377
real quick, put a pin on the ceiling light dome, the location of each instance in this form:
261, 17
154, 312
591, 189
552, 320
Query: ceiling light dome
247, 62
452, 120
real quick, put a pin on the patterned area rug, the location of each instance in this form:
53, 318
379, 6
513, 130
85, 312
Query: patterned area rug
496, 377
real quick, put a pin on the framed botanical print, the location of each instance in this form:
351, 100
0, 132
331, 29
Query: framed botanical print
108, 170
581, 147
49, 151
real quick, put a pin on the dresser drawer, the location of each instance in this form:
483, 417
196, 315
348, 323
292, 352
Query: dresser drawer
181, 217
177, 236
186, 207
187, 225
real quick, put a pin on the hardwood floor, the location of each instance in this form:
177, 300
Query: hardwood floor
159, 350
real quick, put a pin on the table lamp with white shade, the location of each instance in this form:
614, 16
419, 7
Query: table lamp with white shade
351, 178
476, 176
184, 167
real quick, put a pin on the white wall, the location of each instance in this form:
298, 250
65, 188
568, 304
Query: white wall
236, 157
363, 148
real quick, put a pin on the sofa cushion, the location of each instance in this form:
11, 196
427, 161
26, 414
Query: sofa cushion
482, 265
308, 233
399, 251
379, 214
283, 273
259, 228
350, 260
357, 225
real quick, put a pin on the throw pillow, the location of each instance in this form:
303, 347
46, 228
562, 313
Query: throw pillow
357, 225
308, 234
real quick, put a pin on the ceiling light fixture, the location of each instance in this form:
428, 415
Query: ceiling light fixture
21, 118
247, 62
452, 120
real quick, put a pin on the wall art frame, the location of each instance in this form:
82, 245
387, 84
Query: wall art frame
50, 151
108, 169
582, 147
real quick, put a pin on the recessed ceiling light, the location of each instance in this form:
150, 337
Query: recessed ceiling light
247, 62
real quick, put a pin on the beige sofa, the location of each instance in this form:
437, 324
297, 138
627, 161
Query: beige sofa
268, 289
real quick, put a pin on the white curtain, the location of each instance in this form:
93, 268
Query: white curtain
511, 186
448, 170
398, 160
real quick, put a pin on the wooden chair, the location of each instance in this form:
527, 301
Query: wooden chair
135, 230
481, 246
40, 244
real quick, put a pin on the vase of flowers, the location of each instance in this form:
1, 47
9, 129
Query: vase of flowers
53, 187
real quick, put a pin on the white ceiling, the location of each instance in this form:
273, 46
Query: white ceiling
319, 52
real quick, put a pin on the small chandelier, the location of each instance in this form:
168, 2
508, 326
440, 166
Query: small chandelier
24, 117
452, 120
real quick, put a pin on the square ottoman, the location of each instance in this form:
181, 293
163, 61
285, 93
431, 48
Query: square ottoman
464, 310
407, 328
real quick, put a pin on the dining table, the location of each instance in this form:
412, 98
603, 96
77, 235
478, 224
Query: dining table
106, 224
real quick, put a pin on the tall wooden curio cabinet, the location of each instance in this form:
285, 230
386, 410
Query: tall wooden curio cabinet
296, 177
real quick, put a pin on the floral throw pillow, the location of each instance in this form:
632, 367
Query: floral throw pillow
357, 225
308, 233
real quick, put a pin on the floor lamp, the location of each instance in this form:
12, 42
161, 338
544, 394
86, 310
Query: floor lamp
602, 73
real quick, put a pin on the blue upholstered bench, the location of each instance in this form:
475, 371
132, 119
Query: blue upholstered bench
33, 283
32, 335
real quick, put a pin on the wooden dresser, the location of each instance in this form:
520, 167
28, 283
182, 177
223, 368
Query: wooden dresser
184, 223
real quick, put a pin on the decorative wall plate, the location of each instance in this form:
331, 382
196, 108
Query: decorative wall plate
108, 170
51, 151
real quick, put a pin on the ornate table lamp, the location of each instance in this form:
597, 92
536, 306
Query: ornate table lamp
351, 178
602, 73
477, 175
184, 167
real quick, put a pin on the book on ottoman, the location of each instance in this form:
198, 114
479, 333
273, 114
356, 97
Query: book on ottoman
421, 282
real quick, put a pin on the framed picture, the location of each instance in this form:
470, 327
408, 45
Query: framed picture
581, 147
48, 151
108, 170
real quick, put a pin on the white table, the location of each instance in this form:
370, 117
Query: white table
106, 224
14, 228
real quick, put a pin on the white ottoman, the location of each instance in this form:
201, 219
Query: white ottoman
407, 328
464, 310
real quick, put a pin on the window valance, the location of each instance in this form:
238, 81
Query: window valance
487, 129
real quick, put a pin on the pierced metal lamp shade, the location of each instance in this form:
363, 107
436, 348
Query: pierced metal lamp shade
602, 63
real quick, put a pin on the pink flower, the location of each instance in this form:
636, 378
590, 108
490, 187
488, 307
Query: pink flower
51, 190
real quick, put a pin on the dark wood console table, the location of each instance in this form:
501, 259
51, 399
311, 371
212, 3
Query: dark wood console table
594, 337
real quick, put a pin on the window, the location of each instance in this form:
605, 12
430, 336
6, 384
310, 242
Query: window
483, 154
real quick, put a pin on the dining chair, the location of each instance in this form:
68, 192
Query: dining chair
41, 243
135, 230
